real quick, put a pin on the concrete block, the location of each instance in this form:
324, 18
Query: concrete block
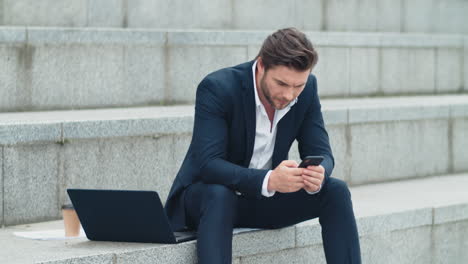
460, 144
183, 14
465, 66
407, 71
142, 14
309, 15
449, 76
29, 133
45, 13
332, 71
1, 187
194, 63
393, 247
181, 146
30, 183
83, 129
121, 163
248, 14
179, 253
450, 16
333, 115
12, 78
355, 15
94, 37
398, 110
389, 15
101, 258
417, 15
451, 213
213, 14
145, 79
106, 13
337, 135
313, 254
252, 243
450, 242
84, 76
364, 71
409, 148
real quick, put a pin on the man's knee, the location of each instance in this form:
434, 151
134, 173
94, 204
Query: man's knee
219, 194
337, 188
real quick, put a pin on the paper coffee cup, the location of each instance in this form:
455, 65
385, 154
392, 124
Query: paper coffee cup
71, 221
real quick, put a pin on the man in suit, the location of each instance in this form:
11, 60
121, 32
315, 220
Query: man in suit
236, 172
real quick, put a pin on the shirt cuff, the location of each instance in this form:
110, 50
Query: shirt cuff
317, 191
265, 191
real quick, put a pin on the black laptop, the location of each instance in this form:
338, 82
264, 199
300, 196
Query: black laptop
124, 216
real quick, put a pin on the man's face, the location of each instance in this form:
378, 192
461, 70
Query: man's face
281, 85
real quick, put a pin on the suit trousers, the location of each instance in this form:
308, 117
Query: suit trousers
214, 210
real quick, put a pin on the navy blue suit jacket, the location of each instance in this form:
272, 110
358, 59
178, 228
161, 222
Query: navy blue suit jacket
224, 133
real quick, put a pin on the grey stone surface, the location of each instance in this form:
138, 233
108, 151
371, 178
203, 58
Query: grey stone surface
449, 70
106, 13
11, 79
465, 66
1, 187
45, 13
313, 254
358, 15
394, 247
460, 144
415, 143
145, 74
98, 37
418, 40
338, 139
451, 213
194, 63
101, 258
252, 243
407, 71
12, 35
417, 19
247, 14
332, 71
364, 71
29, 133
450, 16
450, 242
30, 183
83, 77
179, 253
128, 163
194, 14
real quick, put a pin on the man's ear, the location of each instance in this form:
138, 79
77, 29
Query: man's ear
260, 66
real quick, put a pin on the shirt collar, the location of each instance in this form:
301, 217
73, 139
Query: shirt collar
257, 98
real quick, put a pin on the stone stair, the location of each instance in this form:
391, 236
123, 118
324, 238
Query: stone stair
414, 221
67, 68
432, 16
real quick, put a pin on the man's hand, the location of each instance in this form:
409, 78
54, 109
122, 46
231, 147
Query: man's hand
312, 177
287, 177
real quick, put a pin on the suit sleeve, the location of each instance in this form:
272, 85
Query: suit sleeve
313, 138
210, 143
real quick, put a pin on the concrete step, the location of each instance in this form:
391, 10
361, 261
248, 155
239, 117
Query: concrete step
413, 221
66, 68
445, 16
373, 140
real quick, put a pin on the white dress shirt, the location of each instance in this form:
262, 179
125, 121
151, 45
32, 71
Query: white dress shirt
265, 138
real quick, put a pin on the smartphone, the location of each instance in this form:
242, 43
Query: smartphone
311, 161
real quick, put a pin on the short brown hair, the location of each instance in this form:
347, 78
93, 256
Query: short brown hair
288, 47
